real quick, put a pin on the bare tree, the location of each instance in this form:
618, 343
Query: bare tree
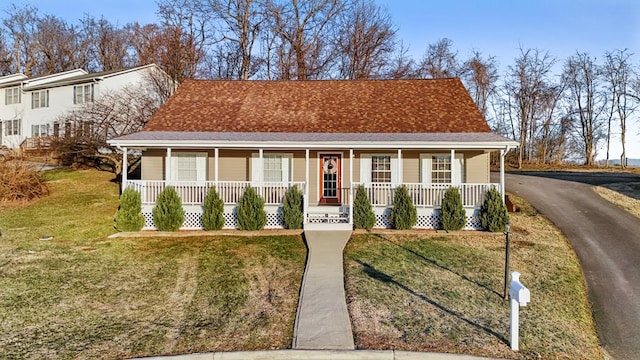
440, 61
366, 40
107, 44
481, 78
21, 25
5, 55
618, 73
587, 102
241, 22
524, 86
303, 29
113, 114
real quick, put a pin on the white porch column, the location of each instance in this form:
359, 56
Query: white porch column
453, 166
168, 176
216, 155
400, 177
351, 187
502, 190
305, 207
260, 171
125, 168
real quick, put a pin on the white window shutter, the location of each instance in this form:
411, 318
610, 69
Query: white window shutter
425, 168
255, 169
201, 166
457, 169
287, 160
394, 170
365, 168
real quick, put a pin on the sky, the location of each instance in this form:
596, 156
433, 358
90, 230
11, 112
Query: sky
497, 28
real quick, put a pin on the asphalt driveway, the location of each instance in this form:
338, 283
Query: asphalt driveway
607, 242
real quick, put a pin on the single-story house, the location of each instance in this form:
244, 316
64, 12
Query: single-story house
326, 137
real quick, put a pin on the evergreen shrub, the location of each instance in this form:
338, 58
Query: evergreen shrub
493, 213
453, 216
403, 214
363, 215
129, 214
292, 212
251, 214
213, 215
168, 214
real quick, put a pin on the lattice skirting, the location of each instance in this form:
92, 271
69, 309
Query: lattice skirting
427, 219
193, 218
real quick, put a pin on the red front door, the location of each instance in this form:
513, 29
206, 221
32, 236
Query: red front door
330, 178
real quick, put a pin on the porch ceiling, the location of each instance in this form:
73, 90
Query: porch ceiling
282, 140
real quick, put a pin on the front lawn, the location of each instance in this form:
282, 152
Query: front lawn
443, 292
83, 296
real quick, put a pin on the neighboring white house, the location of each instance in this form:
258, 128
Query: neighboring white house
29, 108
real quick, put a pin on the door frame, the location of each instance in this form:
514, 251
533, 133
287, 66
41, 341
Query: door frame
338, 200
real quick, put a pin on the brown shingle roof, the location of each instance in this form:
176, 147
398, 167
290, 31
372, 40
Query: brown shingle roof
327, 106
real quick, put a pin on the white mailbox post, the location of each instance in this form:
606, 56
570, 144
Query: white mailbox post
520, 296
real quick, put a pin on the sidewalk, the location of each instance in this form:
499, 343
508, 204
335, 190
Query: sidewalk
318, 355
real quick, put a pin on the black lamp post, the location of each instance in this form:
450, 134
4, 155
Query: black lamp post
507, 229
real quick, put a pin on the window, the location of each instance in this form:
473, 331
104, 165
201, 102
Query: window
272, 168
12, 127
438, 169
188, 166
82, 94
39, 130
381, 169
12, 95
275, 167
441, 169
40, 99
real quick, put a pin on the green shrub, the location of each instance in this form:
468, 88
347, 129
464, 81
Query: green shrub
129, 215
168, 214
403, 214
213, 215
251, 214
363, 216
292, 212
493, 213
453, 216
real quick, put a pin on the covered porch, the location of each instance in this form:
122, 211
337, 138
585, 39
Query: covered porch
327, 178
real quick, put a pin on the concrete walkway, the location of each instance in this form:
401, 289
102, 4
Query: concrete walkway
317, 355
322, 320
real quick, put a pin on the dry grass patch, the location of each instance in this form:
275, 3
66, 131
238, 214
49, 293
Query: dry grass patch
624, 195
83, 296
443, 292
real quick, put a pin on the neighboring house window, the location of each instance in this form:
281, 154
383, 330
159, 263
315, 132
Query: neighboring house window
82, 94
441, 169
39, 130
381, 169
12, 95
188, 166
40, 99
12, 127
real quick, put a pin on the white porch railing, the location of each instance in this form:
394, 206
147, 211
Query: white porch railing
380, 194
194, 192
427, 195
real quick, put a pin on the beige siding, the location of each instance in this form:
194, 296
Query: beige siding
477, 164
299, 166
234, 165
411, 166
153, 164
